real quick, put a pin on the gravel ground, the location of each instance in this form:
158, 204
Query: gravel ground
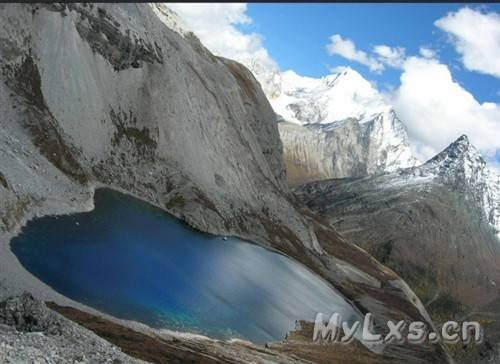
32, 333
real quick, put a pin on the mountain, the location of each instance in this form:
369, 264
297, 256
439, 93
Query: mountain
118, 96
334, 126
436, 225
337, 126
345, 148
462, 167
339, 96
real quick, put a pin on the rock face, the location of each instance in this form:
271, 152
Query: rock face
345, 148
436, 225
27, 314
30, 332
338, 126
109, 94
106, 100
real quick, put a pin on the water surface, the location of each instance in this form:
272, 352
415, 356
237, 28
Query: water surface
134, 261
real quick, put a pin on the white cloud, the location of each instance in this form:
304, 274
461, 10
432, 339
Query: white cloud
391, 56
476, 37
381, 55
347, 49
216, 26
437, 110
427, 52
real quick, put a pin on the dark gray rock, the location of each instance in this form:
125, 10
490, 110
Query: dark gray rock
27, 314
32, 333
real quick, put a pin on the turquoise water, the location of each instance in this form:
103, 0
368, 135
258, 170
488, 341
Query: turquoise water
132, 260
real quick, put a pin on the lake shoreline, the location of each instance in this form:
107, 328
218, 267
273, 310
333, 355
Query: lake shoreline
15, 279
133, 261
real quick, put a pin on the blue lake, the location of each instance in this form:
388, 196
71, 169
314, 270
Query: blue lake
134, 261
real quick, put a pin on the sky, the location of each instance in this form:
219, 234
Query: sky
438, 64
295, 35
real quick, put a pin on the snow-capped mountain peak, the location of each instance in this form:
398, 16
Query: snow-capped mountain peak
460, 156
355, 131
338, 96
464, 169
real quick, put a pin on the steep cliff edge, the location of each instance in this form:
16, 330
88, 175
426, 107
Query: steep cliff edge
110, 95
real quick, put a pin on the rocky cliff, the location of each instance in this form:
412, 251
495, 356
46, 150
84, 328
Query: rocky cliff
109, 95
347, 148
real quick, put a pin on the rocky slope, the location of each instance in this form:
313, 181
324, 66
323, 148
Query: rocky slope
436, 225
32, 333
337, 126
109, 95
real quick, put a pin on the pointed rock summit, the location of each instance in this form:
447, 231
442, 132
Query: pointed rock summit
462, 167
461, 146
458, 148
459, 157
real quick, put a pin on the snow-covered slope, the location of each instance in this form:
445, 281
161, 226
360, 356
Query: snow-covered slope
325, 100
355, 131
462, 167
338, 126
